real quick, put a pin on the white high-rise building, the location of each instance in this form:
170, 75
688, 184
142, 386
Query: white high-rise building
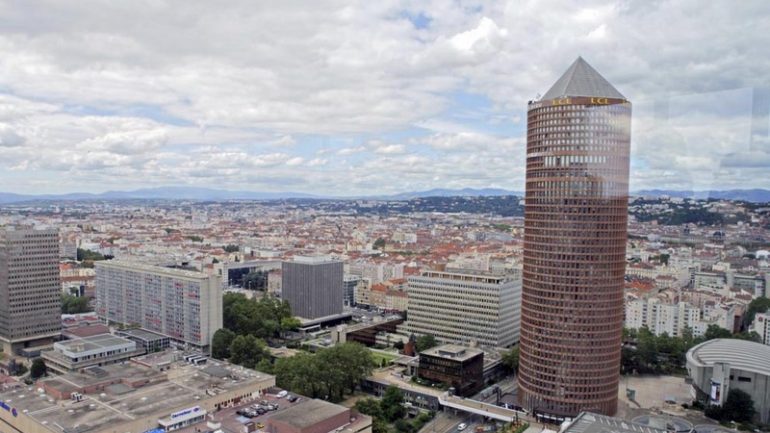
672, 318
465, 307
184, 305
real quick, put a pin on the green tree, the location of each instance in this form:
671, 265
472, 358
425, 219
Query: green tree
299, 374
425, 342
231, 248
715, 331
393, 404
71, 304
255, 280
379, 244
354, 360
327, 374
379, 425
261, 318
220, 343
264, 366
84, 255
738, 407
749, 336
38, 369
511, 359
290, 324
247, 350
369, 406
758, 305
403, 426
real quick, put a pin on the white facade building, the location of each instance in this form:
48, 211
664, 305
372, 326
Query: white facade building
465, 307
672, 318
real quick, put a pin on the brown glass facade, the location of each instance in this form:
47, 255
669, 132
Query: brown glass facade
574, 254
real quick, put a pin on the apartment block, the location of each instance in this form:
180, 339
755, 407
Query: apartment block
673, 317
184, 305
30, 288
465, 307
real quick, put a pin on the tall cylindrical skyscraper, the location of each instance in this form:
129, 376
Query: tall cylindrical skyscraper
578, 140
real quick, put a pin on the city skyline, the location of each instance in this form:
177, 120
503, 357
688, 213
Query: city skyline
372, 100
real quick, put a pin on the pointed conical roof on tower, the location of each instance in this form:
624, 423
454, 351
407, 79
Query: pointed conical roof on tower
582, 80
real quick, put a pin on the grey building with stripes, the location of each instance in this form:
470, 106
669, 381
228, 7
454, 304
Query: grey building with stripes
313, 286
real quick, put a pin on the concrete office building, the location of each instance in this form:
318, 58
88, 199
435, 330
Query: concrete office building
465, 307
578, 140
461, 368
717, 366
184, 305
97, 350
313, 286
30, 290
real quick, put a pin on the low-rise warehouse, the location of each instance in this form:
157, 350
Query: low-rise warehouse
318, 416
135, 397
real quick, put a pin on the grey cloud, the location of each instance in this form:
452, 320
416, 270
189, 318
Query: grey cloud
9, 137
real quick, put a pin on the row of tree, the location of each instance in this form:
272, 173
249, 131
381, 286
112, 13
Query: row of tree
246, 350
88, 257
263, 318
647, 353
329, 374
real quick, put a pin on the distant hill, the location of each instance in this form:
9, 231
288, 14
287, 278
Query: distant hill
443, 192
162, 193
751, 195
210, 194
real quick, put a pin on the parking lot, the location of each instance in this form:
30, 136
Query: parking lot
232, 422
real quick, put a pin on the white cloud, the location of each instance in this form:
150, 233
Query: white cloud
201, 91
389, 149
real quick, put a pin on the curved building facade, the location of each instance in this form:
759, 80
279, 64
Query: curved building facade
578, 141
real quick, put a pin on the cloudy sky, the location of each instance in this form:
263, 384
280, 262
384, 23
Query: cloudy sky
342, 97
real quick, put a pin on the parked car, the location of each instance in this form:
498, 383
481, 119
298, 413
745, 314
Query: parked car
292, 398
282, 394
462, 426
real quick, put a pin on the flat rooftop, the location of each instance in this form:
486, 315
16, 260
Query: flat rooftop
467, 275
588, 422
308, 413
143, 334
130, 265
94, 342
453, 351
183, 385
